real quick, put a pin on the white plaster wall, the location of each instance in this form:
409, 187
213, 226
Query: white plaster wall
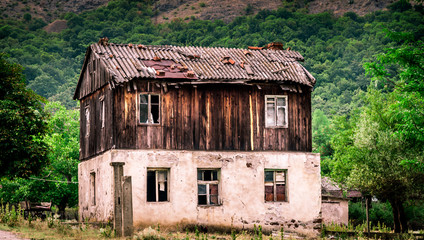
241, 187
103, 210
335, 211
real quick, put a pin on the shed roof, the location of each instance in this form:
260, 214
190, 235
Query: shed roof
126, 62
331, 188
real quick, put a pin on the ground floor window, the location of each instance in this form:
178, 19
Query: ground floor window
275, 185
207, 186
93, 188
157, 185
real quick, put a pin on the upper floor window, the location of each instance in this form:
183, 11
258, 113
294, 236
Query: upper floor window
207, 186
149, 108
87, 121
276, 111
102, 111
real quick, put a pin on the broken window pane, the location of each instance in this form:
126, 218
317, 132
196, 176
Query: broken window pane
155, 114
154, 99
275, 185
214, 175
151, 186
163, 193
143, 113
202, 200
149, 108
207, 175
207, 187
276, 111
157, 185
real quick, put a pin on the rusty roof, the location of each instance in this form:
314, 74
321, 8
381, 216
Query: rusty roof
126, 62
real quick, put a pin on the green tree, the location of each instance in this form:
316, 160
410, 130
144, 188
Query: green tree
407, 85
63, 141
57, 181
23, 124
380, 151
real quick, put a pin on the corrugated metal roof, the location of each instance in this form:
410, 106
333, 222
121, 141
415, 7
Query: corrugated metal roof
126, 62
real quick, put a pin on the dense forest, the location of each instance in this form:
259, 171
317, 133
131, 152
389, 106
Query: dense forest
335, 50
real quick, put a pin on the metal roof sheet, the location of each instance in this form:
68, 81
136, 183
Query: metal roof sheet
126, 62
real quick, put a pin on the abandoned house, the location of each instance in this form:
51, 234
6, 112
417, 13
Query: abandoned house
196, 135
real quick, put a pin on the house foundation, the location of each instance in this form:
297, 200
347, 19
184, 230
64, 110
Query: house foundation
238, 201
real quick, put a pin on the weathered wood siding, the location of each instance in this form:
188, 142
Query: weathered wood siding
99, 138
94, 76
212, 117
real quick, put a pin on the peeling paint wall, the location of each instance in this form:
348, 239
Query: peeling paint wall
241, 189
103, 209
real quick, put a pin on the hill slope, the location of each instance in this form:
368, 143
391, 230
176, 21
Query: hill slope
226, 10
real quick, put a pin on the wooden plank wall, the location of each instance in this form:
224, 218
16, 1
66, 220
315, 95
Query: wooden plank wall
212, 117
94, 77
99, 139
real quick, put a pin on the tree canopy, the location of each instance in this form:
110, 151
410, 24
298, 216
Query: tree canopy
380, 150
23, 124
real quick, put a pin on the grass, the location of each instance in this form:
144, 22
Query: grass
52, 228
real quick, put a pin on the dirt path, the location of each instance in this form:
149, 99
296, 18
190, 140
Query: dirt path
4, 235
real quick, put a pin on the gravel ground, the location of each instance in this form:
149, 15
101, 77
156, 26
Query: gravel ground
4, 235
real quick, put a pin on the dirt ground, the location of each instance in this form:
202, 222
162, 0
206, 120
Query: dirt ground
4, 235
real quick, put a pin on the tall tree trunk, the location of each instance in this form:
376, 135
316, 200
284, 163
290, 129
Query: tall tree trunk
399, 217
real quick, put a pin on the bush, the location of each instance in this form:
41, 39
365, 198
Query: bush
380, 213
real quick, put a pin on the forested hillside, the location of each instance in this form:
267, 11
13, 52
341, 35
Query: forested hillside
368, 124
334, 48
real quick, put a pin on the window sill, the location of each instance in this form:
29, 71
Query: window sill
209, 206
276, 127
274, 202
150, 124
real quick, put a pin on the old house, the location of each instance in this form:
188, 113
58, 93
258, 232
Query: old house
197, 135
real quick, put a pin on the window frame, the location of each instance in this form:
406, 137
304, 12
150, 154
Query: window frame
102, 111
87, 120
274, 183
156, 170
93, 188
149, 107
208, 183
276, 107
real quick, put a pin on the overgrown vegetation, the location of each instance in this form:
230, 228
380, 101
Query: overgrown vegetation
12, 219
